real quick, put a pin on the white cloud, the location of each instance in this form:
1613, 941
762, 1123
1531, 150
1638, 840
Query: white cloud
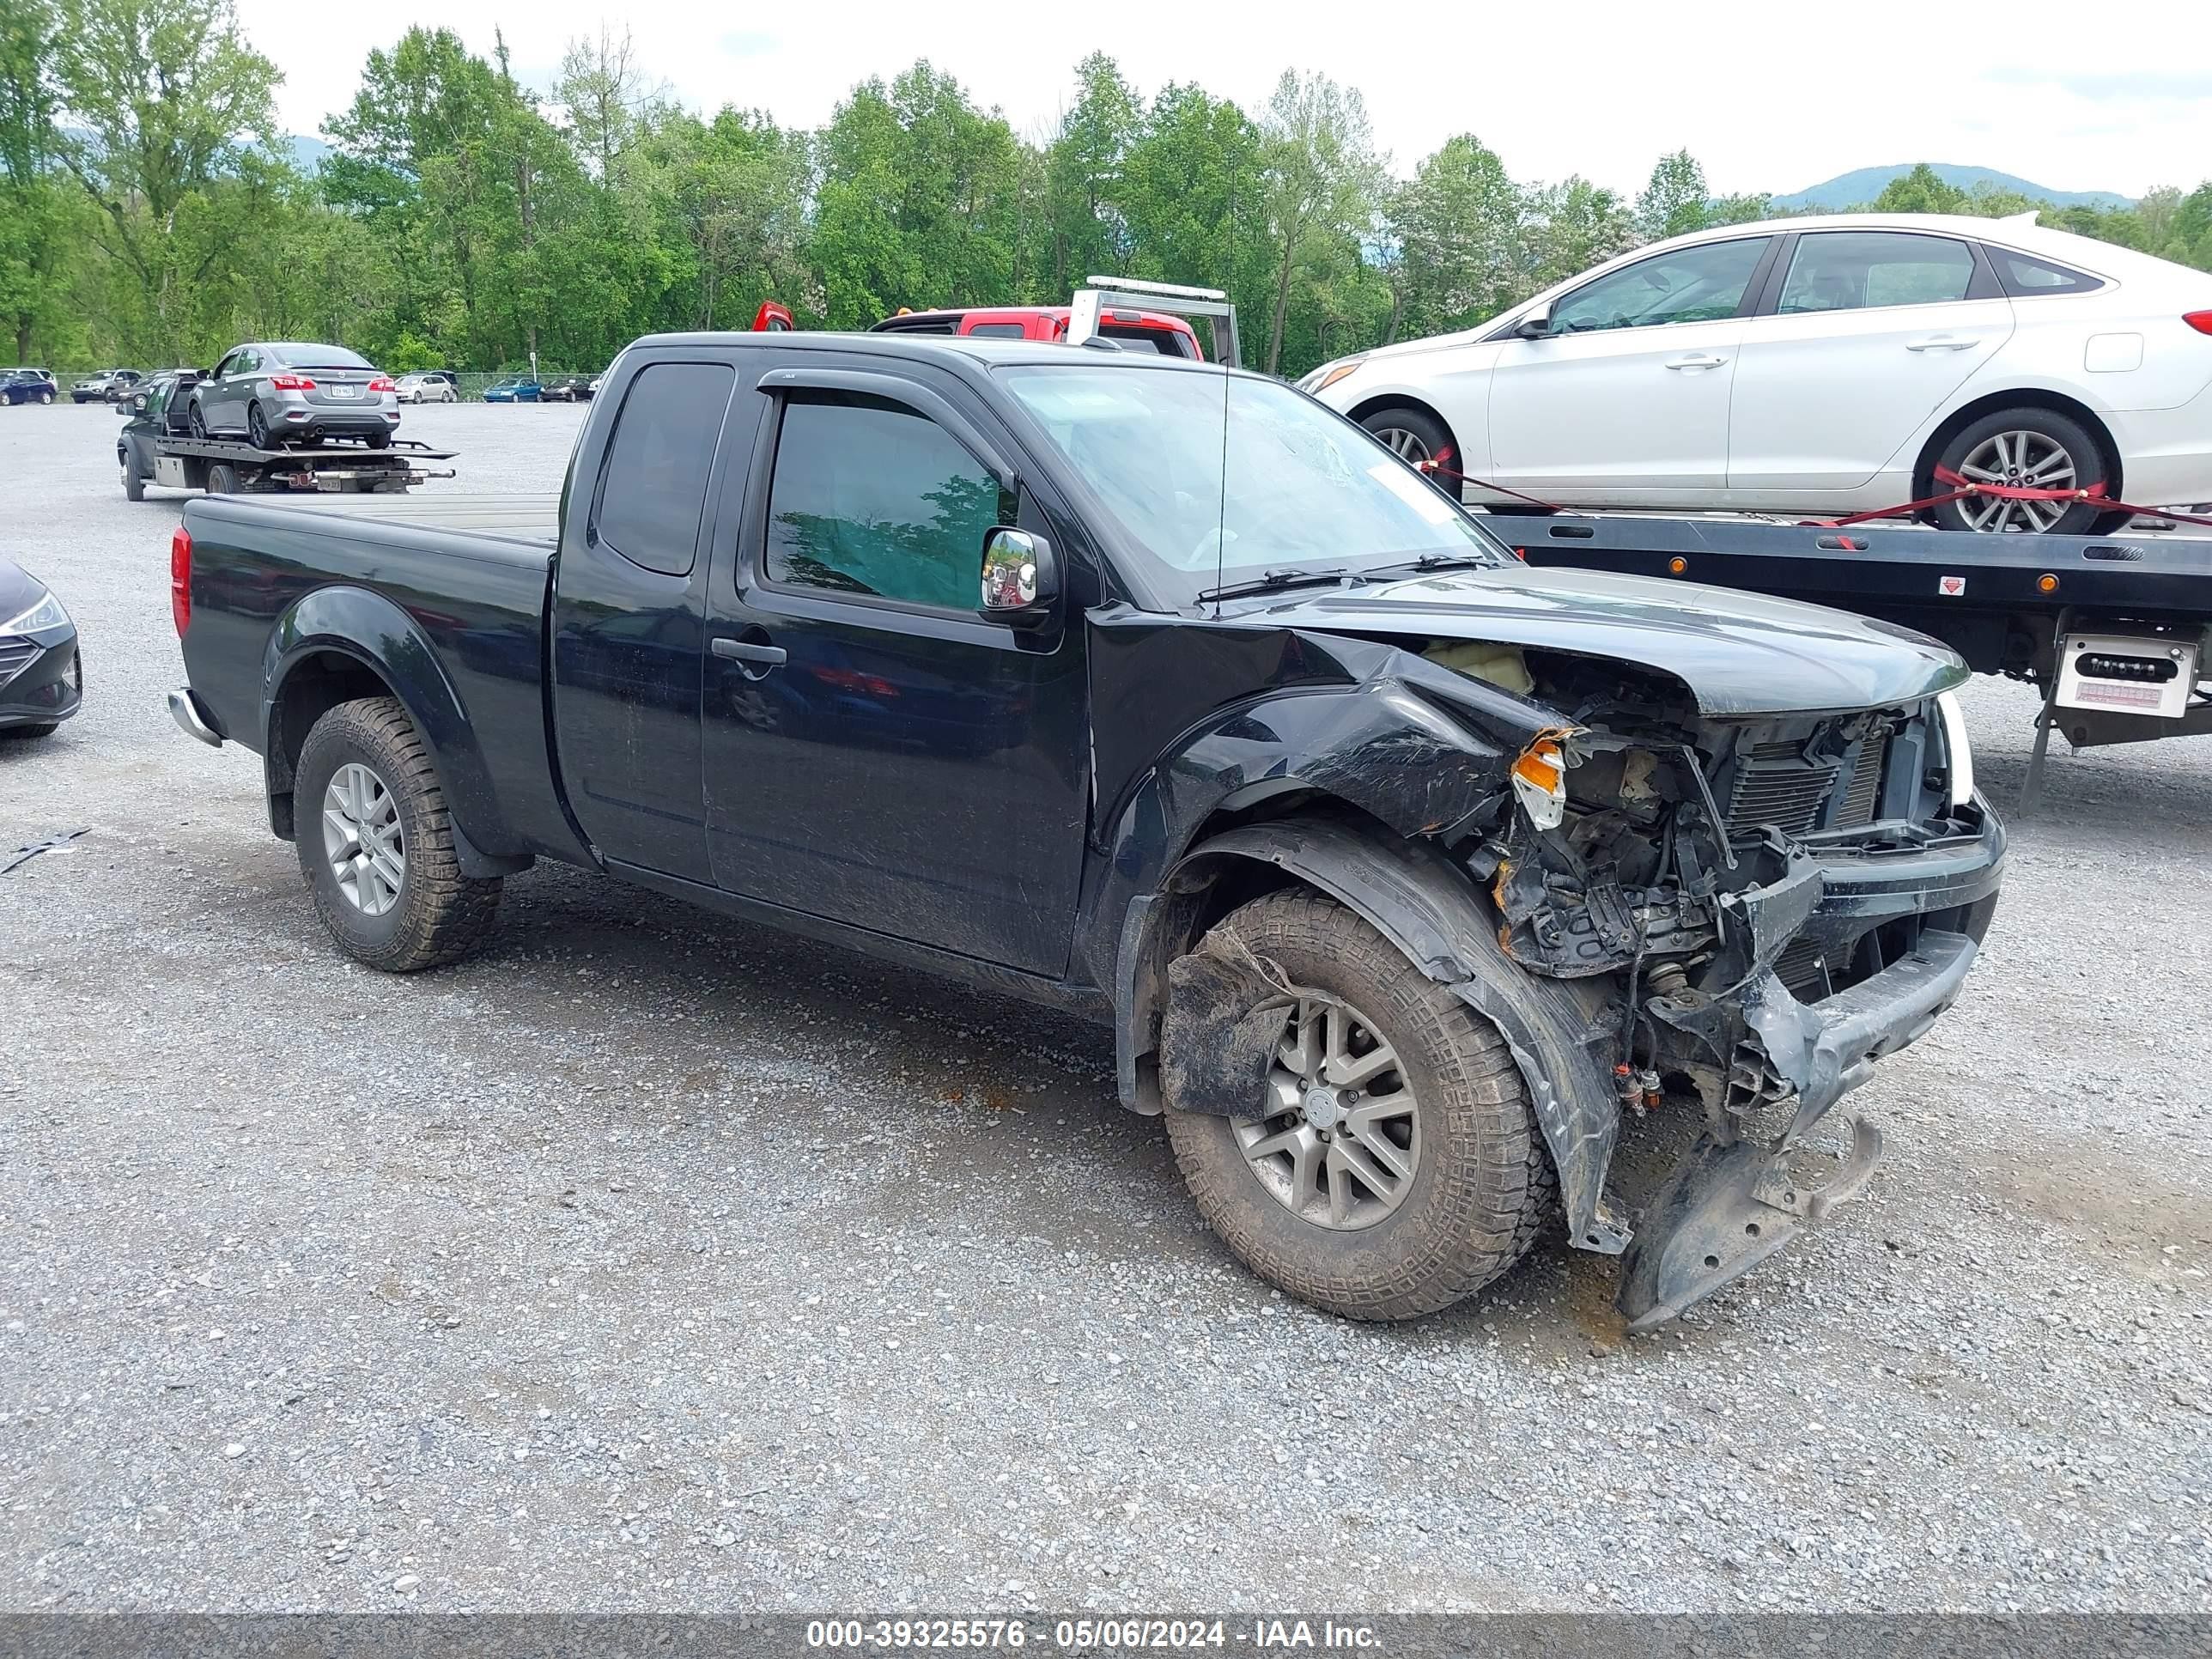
1768, 98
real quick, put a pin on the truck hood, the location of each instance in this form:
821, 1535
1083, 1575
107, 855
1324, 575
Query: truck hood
1739, 653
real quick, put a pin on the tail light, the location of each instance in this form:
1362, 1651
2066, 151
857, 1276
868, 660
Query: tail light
180, 578
2199, 320
291, 383
382, 383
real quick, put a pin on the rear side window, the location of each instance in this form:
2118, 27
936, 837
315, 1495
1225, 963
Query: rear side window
1859, 270
999, 331
907, 526
653, 488
2024, 275
1152, 342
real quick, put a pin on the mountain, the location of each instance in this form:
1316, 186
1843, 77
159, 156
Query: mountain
1858, 188
306, 152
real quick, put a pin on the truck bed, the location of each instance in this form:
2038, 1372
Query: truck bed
534, 519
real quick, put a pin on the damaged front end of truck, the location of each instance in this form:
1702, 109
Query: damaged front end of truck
1667, 900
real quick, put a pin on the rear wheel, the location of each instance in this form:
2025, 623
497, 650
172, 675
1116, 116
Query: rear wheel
380, 440
223, 479
45, 397
376, 842
2035, 448
196, 420
257, 427
30, 733
1397, 1168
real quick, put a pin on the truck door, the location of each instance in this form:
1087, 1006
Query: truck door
877, 752
629, 603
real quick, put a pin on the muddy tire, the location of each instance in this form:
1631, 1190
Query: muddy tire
376, 843
1481, 1182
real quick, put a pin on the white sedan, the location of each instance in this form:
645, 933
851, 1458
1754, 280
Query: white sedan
1821, 366
427, 389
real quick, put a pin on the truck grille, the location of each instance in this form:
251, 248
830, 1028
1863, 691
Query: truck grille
1860, 795
1775, 784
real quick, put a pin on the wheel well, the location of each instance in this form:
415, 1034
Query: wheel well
1399, 400
318, 683
1924, 471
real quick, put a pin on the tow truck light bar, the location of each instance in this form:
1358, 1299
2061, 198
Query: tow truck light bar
1173, 298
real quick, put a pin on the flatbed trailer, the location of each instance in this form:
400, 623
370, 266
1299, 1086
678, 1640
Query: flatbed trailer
224, 466
2114, 631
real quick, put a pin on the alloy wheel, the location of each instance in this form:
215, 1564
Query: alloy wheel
1407, 447
1342, 1141
2032, 460
361, 839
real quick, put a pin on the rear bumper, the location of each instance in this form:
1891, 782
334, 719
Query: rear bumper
2165, 454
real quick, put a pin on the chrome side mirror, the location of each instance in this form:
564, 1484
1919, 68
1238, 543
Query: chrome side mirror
1021, 577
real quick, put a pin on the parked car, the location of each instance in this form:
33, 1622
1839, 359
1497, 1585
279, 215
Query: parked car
276, 394
1821, 366
514, 389
426, 387
567, 389
1400, 869
41, 681
1153, 333
104, 387
27, 385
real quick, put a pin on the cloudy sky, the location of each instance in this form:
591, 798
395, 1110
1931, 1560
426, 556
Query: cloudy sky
1769, 97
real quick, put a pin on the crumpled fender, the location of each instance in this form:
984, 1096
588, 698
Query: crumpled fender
1434, 913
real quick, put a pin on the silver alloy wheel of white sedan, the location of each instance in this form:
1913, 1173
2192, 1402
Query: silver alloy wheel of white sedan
361, 839
2030, 461
1342, 1138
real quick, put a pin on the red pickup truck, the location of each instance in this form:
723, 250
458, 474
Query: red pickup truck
1132, 330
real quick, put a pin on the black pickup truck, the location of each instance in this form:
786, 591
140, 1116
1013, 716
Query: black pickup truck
1160, 694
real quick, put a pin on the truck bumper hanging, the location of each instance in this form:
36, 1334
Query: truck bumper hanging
1729, 1205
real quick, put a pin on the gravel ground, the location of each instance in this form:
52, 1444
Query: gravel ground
652, 1260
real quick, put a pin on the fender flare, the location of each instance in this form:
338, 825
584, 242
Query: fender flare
1434, 914
372, 631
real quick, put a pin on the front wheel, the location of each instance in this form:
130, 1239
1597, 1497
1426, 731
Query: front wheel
134, 482
2034, 448
1396, 1167
376, 842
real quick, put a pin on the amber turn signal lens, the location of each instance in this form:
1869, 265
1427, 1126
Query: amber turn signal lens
2046, 584
1540, 765
1676, 567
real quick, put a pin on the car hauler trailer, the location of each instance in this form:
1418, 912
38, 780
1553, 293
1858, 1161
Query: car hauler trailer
232, 467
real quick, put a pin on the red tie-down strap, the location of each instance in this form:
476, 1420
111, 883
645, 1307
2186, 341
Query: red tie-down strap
1439, 465
1962, 488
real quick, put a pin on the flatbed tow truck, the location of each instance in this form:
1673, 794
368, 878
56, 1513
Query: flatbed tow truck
226, 466
2113, 630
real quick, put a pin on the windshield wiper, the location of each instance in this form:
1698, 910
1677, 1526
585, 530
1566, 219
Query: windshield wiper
1269, 580
1441, 561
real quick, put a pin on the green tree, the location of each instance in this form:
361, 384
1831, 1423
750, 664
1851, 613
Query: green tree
918, 200
1462, 231
1921, 192
1575, 225
1083, 175
35, 220
1324, 182
164, 104
1674, 201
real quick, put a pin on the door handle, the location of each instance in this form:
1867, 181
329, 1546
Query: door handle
1695, 361
1939, 342
768, 656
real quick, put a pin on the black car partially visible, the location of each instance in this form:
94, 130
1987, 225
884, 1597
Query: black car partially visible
41, 682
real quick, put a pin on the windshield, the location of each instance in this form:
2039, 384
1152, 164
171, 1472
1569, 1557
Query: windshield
1305, 486
296, 355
